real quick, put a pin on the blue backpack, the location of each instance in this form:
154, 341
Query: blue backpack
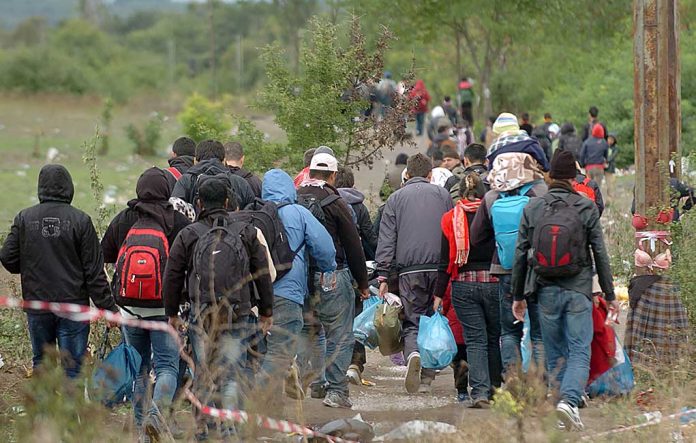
115, 375
506, 214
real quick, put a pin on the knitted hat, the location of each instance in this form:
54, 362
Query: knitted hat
598, 131
563, 165
506, 122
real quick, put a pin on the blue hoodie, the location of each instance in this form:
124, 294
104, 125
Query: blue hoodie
300, 226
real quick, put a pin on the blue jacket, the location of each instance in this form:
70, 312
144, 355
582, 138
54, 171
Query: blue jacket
300, 226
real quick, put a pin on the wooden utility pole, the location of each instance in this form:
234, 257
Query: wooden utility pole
657, 95
213, 62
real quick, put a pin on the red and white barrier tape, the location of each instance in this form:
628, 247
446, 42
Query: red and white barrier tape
84, 313
641, 425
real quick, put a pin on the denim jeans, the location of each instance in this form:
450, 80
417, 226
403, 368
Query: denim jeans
311, 350
478, 309
566, 322
420, 118
336, 310
71, 336
157, 349
281, 343
511, 333
219, 352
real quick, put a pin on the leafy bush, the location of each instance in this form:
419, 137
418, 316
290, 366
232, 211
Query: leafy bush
145, 141
262, 155
203, 119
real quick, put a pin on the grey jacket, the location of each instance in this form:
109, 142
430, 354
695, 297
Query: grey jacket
409, 234
525, 281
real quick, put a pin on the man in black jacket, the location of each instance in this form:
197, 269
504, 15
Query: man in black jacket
218, 329
183, 152
234, 159
336, 308
210, 155
55, 249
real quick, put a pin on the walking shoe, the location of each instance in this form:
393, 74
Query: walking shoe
463, 397
318, 390
479, 403
413, 373
354, 376
425, 388
337, 400
570, 416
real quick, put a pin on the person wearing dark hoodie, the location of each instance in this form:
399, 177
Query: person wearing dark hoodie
409, 241
569, 140
218, 322
309, 239
566, 302
234, 159
210, 155
592, 120
181, 160
474, 292
157, 349
594, 154
55, 249
335, 307
518, 167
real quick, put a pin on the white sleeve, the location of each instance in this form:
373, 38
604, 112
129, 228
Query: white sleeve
271, 268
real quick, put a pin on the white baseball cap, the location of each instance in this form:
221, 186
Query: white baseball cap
324, 162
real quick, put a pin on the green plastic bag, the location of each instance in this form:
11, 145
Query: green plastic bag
388, 325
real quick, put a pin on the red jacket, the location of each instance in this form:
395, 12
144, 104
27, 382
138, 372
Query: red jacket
603, 342
420, 94
449, 312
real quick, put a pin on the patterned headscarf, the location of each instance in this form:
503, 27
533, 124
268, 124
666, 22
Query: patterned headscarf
512, 170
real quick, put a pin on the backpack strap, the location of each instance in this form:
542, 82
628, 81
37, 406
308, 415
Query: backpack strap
175, 172
326, 201
586, 182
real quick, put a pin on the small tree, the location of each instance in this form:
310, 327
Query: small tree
325, 103
262, 155
145, 141
107, 116
203, 119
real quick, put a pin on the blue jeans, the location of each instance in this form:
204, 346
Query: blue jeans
71, 336
219, 351
311, 350
335, 311
478, 310
420, 118
281, 343
566, 321
158, 349
511, 333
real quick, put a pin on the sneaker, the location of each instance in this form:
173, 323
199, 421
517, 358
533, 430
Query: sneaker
337, 400
480, 403
353, 375
413, 373
570, 416
318, 390
463, 397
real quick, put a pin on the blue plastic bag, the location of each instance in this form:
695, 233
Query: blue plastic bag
113, 379
526, 344
616, 381
436, 343
364, 324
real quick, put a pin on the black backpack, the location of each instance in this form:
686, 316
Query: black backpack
220, 264
315, 205
559, 242
264, 216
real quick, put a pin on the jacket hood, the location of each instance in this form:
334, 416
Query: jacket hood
278, 187
351, 195
567, 128
182, 160
152, 199
205, 165
55, 184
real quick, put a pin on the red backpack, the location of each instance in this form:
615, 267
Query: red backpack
140, 266
583, 188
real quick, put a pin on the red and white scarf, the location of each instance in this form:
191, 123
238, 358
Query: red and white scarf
460, 227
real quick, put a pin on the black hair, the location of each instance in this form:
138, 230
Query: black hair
213, 193
234, 151
345, 177
308, 154
418, 165
401, 159
525, 116
208, 149
450, 153
184, 146
475, 153
492, 118
320, 175
447, 98
594, 112
548, 115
